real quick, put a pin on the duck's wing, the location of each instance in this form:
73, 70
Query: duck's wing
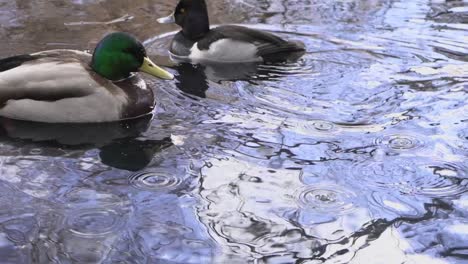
266, 43
57, 86
50, 75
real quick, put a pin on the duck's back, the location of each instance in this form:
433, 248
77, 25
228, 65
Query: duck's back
237, 44
49, 75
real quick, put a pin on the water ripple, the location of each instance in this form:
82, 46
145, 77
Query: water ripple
316, 161
399, 142
316, 127
327, 199
154, 181
322, 125
416, 177
20, 230
388, 206
94, 222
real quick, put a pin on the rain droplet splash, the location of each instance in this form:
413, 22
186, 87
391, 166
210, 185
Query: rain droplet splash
323, 125
35, 151
327, 199
399, 142
154, 181
322, 128
94, 222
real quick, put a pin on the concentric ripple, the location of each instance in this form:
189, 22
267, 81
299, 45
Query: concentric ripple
154, 181
94, 222
35, 151
415, 177
323, 125
317, 127
399, 142
327, 199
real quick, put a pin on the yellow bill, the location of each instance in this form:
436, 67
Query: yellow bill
152, 69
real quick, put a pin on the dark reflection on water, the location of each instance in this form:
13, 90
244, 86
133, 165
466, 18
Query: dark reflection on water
355, 153
116, 141
94, 134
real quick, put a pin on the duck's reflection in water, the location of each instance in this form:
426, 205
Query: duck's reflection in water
132, 154
117, 141
192, 79
216, 80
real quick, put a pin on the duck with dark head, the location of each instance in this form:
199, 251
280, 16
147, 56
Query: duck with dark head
228, 43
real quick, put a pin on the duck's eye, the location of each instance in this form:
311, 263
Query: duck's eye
128, 50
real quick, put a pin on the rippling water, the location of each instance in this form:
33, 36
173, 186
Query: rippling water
356, 153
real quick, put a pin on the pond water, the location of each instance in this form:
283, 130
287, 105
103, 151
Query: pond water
356, 153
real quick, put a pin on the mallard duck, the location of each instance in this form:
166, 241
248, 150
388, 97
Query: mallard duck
70, 86
229, 43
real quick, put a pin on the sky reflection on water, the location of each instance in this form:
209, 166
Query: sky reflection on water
356, 153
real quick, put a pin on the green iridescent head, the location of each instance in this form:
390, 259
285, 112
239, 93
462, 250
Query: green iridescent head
119, 54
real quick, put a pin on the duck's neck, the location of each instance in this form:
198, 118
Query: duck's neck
196, 24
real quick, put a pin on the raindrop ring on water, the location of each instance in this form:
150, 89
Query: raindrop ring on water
154, 181
94, 222
327, 199
35, 151
414, 177
399, 142
323, 125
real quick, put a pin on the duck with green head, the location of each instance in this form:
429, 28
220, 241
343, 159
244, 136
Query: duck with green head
70, 86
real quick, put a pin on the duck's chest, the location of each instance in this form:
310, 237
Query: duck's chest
140, 97
181, 46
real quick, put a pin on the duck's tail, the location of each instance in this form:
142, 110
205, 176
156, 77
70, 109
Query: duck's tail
288, 51
15, 61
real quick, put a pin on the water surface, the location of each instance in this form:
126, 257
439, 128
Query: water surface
356, 153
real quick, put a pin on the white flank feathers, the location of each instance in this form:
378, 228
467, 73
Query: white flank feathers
226, 50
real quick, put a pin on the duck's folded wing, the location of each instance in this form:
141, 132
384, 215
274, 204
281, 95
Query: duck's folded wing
43, 77
265, 42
